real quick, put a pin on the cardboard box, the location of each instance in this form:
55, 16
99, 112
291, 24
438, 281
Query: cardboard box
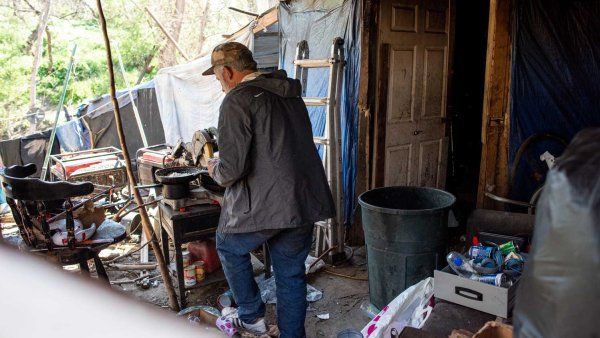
489, 330
488, 298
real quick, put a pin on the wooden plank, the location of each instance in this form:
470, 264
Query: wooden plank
493, 176
380, 118
368, 66
263, 21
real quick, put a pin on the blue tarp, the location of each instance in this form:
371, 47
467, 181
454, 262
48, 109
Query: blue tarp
319, 23
555, 85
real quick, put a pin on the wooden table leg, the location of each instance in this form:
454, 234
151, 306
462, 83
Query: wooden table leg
83, 266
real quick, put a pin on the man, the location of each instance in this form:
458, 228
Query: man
276, 186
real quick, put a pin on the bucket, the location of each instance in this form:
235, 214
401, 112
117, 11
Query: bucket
405, 234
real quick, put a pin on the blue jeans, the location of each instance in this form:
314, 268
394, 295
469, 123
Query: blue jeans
288, 249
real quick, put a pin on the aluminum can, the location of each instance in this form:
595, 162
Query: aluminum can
499, 279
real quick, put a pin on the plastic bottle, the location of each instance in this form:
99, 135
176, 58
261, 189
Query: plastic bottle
460, 265
369, 309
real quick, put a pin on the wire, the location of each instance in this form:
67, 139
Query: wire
345, 276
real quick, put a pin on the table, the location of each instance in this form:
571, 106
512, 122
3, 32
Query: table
196, 223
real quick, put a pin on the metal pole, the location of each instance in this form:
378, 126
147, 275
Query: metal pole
60, 107
136, 113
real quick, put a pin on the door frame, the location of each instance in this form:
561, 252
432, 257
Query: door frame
495, 114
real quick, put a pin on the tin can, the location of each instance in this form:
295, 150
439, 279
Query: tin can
200, 273
226, 300
499, 279
186, 258
189, 275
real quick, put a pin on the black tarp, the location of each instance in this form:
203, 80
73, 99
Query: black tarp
33, 149
555, 84
10, 152
558, 293
102, 127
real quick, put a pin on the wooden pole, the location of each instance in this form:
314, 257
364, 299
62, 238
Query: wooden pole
138, 198
164, 30
38, 55
493, 172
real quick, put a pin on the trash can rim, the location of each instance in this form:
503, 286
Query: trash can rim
406, 211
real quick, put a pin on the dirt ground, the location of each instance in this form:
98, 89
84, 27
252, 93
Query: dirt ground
342, 296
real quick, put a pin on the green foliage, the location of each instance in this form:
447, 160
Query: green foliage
90, 78
74, 22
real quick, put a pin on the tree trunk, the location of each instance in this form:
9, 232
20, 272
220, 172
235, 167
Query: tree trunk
49, 43
37, 55
167, 55
146, 68
202, 25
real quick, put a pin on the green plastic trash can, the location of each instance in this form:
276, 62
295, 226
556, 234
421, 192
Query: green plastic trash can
405, 233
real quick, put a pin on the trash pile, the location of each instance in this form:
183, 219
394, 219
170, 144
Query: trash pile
498, 265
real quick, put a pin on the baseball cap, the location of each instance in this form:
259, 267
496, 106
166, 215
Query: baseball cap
227, 53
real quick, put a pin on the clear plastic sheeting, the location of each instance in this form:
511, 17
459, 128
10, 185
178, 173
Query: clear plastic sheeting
555, 83
268, 291
558, 293
319, 22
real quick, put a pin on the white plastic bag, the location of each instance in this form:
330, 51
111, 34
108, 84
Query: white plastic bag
410, 308
60, 236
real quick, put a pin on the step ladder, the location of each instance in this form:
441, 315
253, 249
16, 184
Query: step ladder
329, 233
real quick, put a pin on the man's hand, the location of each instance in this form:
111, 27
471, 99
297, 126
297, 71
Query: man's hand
212, 162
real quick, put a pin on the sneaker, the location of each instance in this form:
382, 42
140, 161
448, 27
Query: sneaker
231, 315
258, 327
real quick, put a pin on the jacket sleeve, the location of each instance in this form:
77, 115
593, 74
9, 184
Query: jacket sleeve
235, 139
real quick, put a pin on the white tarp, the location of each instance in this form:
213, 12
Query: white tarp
187, 100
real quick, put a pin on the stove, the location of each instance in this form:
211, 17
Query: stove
198, 196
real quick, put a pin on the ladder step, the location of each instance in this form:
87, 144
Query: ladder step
308, 63
321, 140
316, 101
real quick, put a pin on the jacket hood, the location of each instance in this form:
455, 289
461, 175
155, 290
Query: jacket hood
277, 83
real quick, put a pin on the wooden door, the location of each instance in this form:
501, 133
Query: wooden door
414, 39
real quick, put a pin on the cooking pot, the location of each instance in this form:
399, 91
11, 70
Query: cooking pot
176, 181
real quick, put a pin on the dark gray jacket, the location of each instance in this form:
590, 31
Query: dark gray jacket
268, 161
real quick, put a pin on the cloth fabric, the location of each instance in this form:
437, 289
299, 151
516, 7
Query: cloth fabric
103, 131
187, 100
251, 76
555, 82
288, 250
10, 152
33, 149
319, 22
72, 136
268, 160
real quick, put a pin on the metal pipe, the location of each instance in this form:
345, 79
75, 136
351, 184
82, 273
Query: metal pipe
136, 113
60, 107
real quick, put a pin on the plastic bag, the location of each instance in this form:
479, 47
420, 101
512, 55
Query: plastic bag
410, 308
309, 261
60, 236
558, 292
268, 291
